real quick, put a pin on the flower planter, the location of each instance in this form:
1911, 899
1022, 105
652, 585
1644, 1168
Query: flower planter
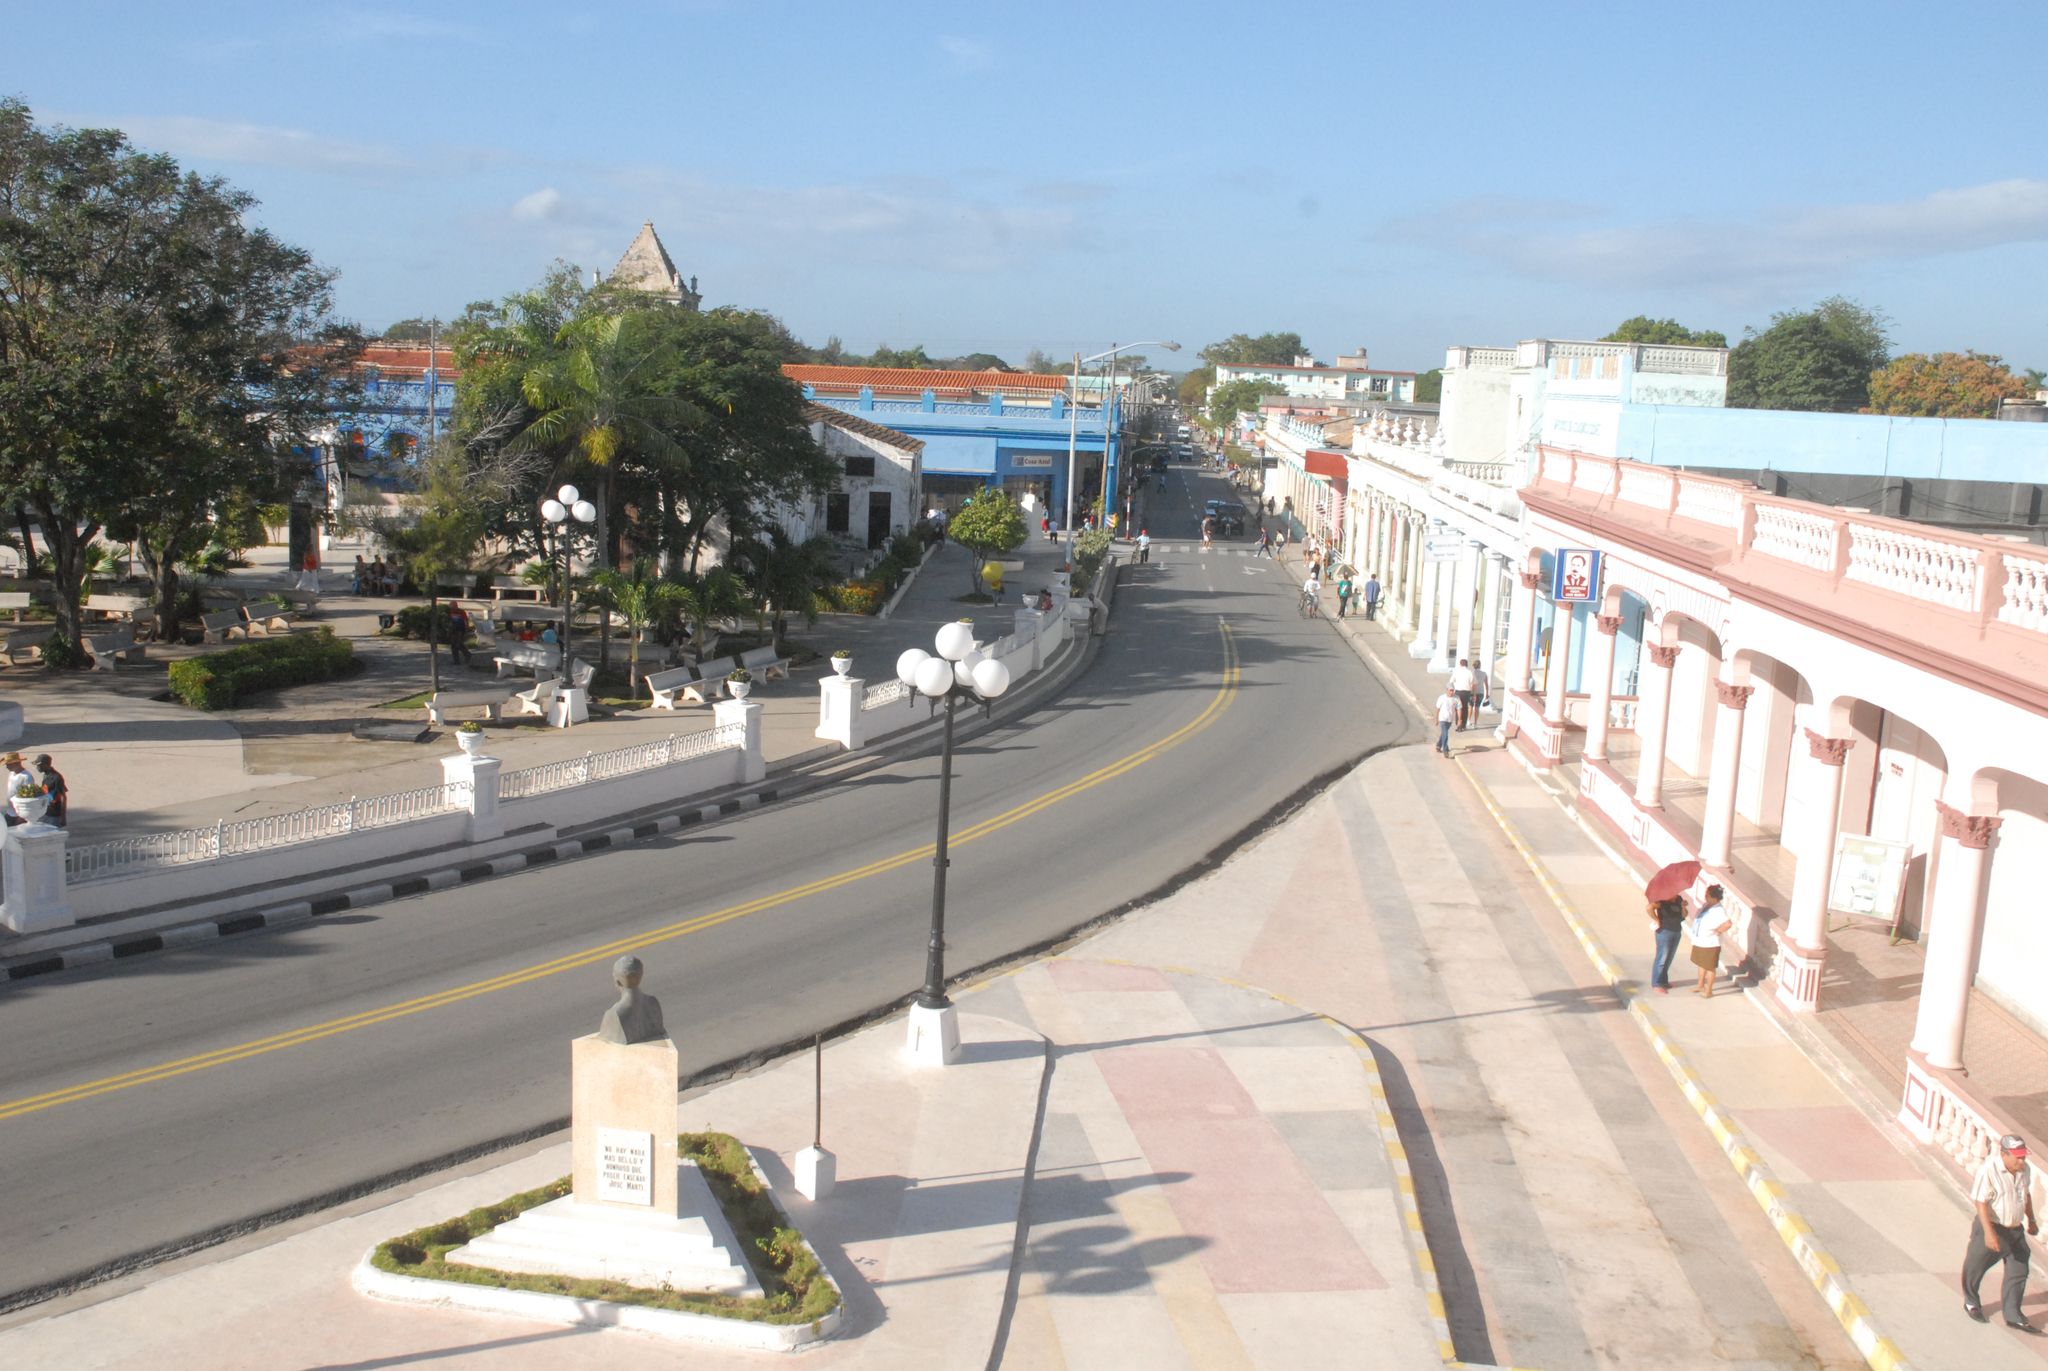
842, 665
739, 690
30, 808
470, 743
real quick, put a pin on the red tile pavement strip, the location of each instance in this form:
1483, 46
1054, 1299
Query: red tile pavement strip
1829, 1143
1073, 977
1238, 1186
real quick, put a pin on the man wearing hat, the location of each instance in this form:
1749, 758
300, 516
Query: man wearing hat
17, 772
2001, 1194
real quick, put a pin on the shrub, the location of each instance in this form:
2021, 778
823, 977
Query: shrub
221, 680
411, 622
1089, 550
857, 597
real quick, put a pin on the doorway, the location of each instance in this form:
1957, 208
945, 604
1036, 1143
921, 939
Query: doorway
878, 517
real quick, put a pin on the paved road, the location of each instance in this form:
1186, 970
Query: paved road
190, 1090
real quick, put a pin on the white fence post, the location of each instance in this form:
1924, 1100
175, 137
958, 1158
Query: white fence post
839, 711
746, 715
1029, 622
34, 861
480, 776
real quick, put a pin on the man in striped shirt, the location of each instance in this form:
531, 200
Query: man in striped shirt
2000, 1193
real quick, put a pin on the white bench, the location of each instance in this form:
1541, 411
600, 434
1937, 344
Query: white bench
23, 648
218, 628
581, 674
534, 657
764, 662
664, 686
264, 620
301, 601
16, 600
710, 682
538, 699
106, 648
491, 702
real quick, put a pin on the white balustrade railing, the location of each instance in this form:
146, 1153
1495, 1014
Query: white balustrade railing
1709, 502
887, 693
185, 846
1494, 358
1645, 486
570, 772
1930, 569
2025, 596
1683, 361
1793, 535
1595, 478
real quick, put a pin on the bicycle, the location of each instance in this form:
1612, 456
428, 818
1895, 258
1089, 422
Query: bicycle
1309, 609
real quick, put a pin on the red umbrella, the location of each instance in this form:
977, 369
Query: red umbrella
1674, 879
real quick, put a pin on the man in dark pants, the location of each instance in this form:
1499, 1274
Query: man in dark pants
1372, 596
2000, 1193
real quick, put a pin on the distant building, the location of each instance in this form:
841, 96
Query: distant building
879, 487
1350, 379
647, 266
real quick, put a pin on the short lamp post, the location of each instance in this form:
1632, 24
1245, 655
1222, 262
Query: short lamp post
958, 672
565, 510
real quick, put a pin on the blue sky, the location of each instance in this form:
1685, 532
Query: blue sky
1068, 176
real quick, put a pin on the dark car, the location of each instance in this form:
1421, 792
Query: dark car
1229, 517
1159, 461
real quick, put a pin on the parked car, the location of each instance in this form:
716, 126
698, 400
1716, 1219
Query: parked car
1229, 517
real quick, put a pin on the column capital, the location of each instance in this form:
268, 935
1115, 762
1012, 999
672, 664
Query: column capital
1826, 750
1666, 657
1733, 696
1971, 830
1532, 580
1609, 624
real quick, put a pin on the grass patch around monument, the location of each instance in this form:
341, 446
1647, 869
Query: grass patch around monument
795, 1287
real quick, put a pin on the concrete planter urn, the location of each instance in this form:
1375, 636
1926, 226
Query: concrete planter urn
739, 685
842, 663
30, 808
470, 743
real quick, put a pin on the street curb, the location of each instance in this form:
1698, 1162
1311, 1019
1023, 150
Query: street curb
1820, 1266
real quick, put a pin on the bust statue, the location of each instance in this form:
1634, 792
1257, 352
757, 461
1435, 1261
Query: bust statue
636, 1018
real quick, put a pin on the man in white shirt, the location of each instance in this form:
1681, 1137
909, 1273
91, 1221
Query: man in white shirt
1446, 715
2001, 1196
1144, 546
1312, 593
1461, 683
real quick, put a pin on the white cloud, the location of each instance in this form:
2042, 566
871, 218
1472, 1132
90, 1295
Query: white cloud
543, 204
968, 54
218, 140
1791, 245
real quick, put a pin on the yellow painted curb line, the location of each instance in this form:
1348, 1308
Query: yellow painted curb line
1878, 1350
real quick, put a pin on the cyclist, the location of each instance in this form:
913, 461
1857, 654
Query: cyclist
1311, 591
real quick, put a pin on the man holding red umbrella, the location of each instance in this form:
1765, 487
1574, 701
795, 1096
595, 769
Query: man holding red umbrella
1666, 909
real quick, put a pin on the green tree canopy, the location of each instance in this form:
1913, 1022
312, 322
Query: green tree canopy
1642, 328
1819, 359
1429, 386
987, 526
1269, 349
1947, 385
414, 330
1234, 398
1194, 387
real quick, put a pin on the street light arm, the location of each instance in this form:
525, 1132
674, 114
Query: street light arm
1126, 347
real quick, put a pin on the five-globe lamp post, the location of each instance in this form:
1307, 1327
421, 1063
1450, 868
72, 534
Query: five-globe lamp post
565, 510
957, 672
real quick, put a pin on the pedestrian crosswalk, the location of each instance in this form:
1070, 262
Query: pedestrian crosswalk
1210, 550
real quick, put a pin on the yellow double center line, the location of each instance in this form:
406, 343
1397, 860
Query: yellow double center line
203, 1061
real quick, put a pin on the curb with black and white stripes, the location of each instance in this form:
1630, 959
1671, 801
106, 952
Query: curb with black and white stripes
303, 911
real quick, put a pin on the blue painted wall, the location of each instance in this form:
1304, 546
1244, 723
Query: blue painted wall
1834, 444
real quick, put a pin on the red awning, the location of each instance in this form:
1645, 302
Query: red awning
1329, 464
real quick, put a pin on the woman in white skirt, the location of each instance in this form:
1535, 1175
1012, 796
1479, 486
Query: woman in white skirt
1703, 932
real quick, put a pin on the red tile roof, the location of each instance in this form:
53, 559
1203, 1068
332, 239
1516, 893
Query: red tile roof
916, 380
853, 423
408, 360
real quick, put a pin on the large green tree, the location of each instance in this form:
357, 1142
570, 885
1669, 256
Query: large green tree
159, 353
1948, 385
1429, 386
1234, 398
988, 525
1194, 388
1642, 328
1268, 349
1816, 359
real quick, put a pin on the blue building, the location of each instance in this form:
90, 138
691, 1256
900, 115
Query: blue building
981, 430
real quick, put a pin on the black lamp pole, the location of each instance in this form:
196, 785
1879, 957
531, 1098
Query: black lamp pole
563, 530
933, 996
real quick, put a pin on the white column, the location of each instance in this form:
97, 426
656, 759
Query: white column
747, 714
1653, 719
33, 859
1820, 783
480, 774
1717, 826
1489, 616
1467, 592
1559, 667
1521, 630
1426, 606
839, 712
1445, 655
1412, 609
1953, 934
1600, 667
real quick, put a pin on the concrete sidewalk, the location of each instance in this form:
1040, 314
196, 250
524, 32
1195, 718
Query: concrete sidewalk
1877, 1224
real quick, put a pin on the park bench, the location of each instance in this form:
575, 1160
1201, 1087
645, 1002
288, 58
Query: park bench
16, 600
534, 657
537, 700
710, 682
491, 701
664, 686
23, 648
302, 601
218, 628
264, 620
111, 606
581, 674
106, 648
766, 663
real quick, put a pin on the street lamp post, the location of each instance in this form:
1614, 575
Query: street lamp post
1074, 430
565, 510
957, 672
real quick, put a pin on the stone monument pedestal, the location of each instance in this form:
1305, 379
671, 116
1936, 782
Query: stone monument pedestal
635, 1213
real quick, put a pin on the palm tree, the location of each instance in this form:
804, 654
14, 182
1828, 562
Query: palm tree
643, 599
787, 575
717, 594
598, 393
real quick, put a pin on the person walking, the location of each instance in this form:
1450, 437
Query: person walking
1703, 936
1265, 541
2003, 1200
1446, 715
458, 634
1667, 918
1372, 596
1343, 592
1482, 689
1144, 546
57, 789
1461, 683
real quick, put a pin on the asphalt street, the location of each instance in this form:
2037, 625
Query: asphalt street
142, 1104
